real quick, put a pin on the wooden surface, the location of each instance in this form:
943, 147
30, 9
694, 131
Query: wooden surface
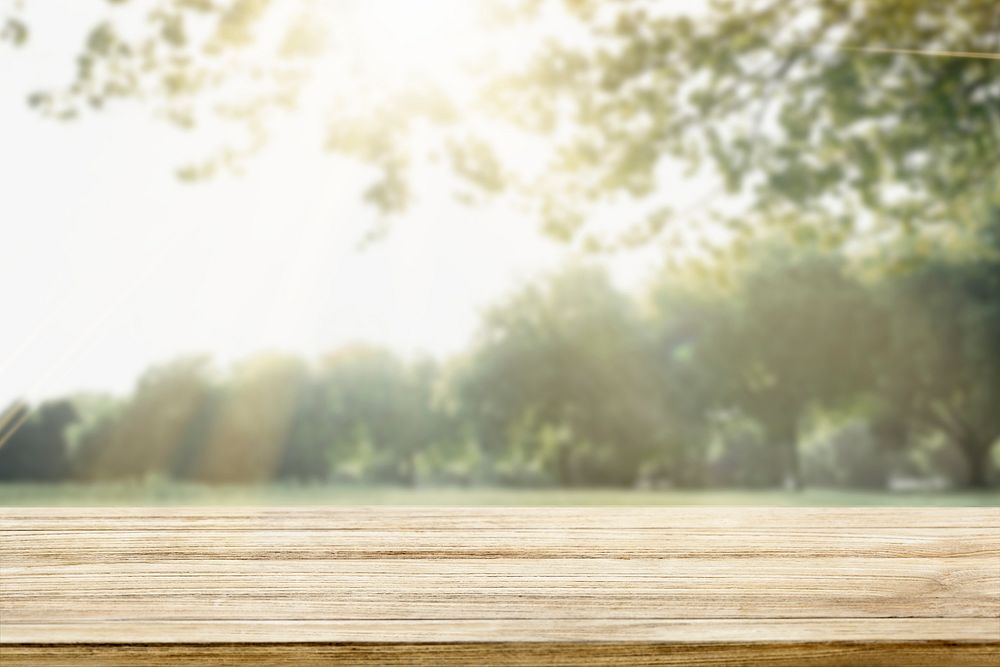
440, 586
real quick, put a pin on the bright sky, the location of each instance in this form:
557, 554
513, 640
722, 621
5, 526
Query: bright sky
108, 264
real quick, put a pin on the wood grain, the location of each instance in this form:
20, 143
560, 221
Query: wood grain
810, 654
720, 586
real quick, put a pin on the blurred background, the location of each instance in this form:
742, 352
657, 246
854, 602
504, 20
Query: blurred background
505, 251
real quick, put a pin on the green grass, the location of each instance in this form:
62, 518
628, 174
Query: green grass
169, 493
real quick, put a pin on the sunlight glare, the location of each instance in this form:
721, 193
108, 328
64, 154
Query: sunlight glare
402, 39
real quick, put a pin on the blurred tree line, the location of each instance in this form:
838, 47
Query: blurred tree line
791, 367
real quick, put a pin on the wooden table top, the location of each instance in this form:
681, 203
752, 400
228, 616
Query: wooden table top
435, 586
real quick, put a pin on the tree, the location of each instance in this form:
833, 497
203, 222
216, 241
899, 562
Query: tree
806, 108
255, 416
158, 431
799, 332
741, 456
384, 410
942, 370
37, 450
307, 450
688, 316
561, 374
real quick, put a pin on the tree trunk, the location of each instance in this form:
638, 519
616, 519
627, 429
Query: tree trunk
409, 471
977, 458
793, 472
564, 468
788, 440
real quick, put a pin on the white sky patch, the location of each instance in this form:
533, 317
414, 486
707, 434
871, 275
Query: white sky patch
109, 264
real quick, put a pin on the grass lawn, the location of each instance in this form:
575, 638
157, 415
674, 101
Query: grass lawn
169, 493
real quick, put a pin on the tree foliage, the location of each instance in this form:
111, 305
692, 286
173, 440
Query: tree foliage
828, 116
560, 370
800, 333
942, 372
34, 448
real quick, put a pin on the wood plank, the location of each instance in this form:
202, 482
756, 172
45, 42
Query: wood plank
98, 546
508, 588
500, 585
487, 518
523, 654
664, 630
